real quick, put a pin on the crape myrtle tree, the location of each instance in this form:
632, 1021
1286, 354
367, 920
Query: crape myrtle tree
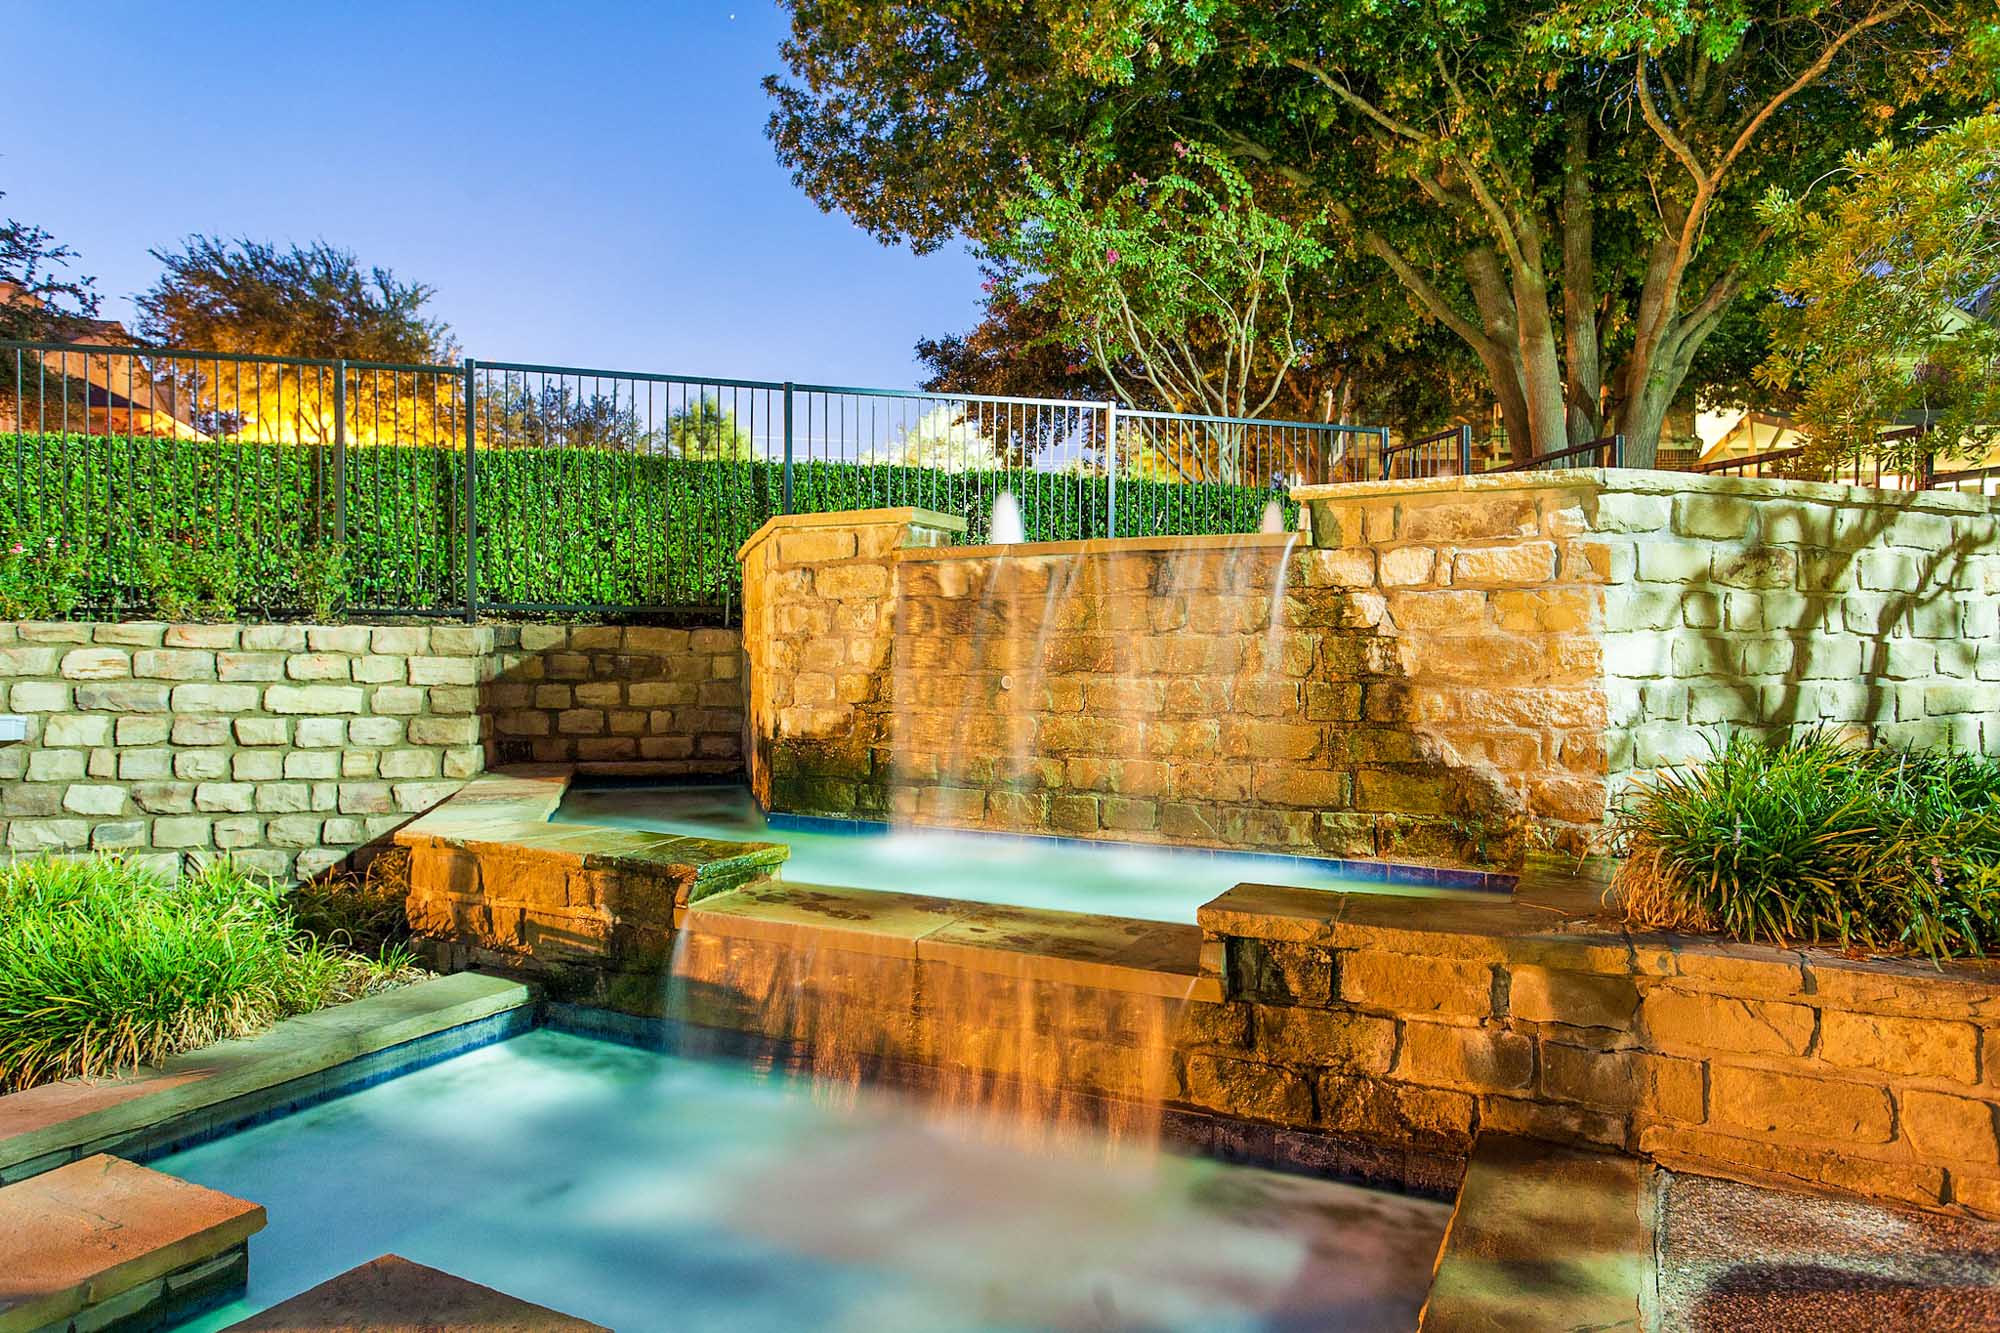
1889, 306
1569, 189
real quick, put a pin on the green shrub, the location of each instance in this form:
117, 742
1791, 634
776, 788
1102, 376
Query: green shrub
41, 577
1819, 841
104, 965
255, 525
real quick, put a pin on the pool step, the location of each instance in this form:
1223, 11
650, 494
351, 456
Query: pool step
1545, 1238
393, 1295
103, 1243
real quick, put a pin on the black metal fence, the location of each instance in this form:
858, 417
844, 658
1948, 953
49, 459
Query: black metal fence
288, 484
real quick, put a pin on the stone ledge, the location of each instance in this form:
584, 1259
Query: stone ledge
1644, 481
910, 514
43, 1127
1544, 1237
101, 1233
393, 1295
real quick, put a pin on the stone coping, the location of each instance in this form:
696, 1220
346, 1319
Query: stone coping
88, 1233
848, 518
1229, 541
1558, 929
45, 1126
1545, 1237
510, 808
1103, 952
393, 1295
1647, 481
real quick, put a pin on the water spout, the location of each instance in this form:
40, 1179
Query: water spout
1006, 529
1274, 518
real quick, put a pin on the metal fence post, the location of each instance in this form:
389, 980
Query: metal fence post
788, 448
1111, 469
340, 451
1618, 450
1465, 451
471, 496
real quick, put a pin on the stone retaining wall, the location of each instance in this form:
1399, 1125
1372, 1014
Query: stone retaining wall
1458, 669
1357, 1015
289, 746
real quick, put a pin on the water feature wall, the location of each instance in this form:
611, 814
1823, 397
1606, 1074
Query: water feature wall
1457, 670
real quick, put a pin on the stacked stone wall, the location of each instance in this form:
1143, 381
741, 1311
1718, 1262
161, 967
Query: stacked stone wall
287, 747
1458, 670
1880, 1079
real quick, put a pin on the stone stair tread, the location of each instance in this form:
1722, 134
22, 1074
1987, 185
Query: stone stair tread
1544, 1238
89, 1231
394, 1295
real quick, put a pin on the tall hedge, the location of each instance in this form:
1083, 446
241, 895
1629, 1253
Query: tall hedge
558, 528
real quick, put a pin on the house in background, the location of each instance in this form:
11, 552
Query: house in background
73, 388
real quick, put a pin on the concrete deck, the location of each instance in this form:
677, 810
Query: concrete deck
393, 1295
104, 1235
47, 1126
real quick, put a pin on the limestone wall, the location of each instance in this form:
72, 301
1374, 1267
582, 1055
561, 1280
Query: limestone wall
288, 746
1879, 1079
1454, 669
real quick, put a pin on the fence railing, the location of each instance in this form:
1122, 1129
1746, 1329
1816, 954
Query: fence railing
513, 487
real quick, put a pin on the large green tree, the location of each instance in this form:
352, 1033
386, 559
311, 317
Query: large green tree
1891, 314
1569, 189
45, 301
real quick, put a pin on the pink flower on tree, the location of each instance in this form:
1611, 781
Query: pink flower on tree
1110, 256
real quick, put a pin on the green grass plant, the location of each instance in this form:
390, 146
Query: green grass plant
1820, 841
105, 965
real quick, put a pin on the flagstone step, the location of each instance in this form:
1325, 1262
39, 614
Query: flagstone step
104, 1243
393, 1295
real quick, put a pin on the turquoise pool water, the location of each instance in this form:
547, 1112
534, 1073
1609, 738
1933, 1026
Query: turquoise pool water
646, 1191
1064, 875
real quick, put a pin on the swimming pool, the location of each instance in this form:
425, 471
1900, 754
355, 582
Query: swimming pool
649, 1191
1056, 874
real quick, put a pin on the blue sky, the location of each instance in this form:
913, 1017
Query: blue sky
585, 184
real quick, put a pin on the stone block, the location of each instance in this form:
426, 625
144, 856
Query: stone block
1477, 1059
1700, 1023
94, 799
34, 696
1314, 1038
1409, 984
311, 764
197, 765
160, 798
174, 664
262, 731
94, 663
1915, 1047
1248, 1089
315, 733
145, 765
375, 731
197, 731
1517, 565
201, 636
379, 669
76, 729
183, 831
443, 671
293, 831
317, 666
398, 700
55, 765
1718, 517
232, 797
256, 766
1578, 999
1950, 1130
444, 731
30, 661
132, 698
117, 835
416, 797
282, 797
297, 699
46, 835
215, 698
347, 640
366, 798
1652, 1087
1767, 1102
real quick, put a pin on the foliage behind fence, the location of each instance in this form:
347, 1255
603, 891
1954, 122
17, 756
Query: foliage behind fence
284, 529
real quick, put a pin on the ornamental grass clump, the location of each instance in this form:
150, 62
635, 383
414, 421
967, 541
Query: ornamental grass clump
1819, 841
104, 965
